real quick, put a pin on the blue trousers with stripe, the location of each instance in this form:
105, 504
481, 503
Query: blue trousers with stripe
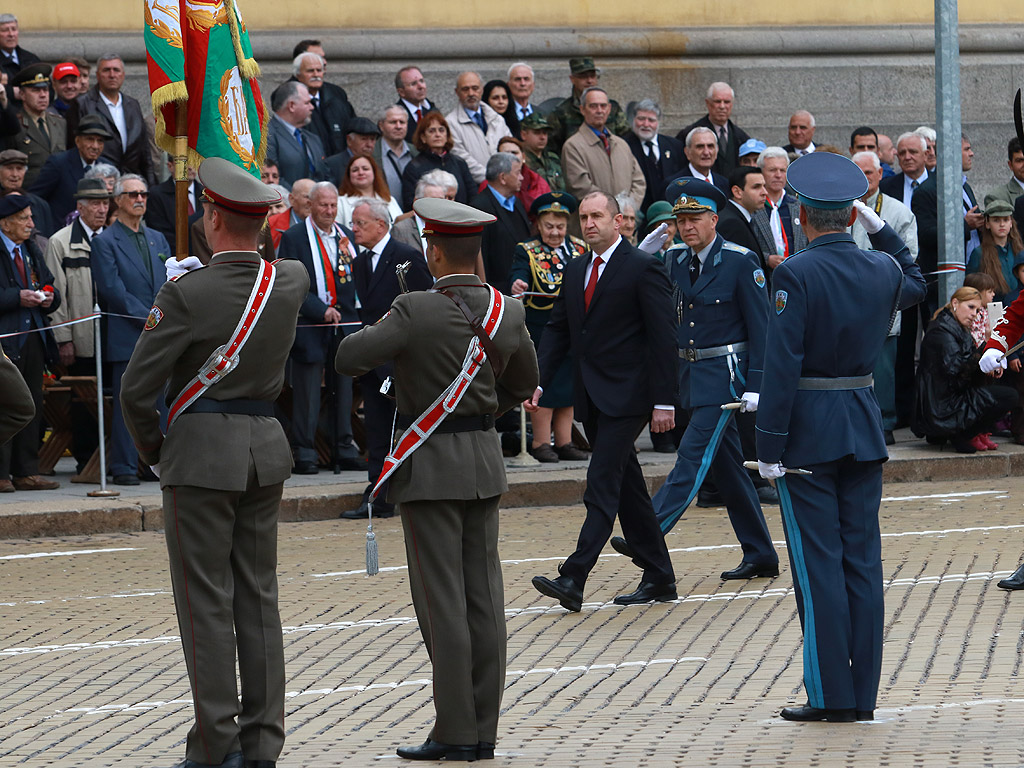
835, 552
711, 438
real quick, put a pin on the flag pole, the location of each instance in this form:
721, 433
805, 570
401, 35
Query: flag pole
181, 179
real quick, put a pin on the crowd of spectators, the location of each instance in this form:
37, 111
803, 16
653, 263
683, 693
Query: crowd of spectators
91, 223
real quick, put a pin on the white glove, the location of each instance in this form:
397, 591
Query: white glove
770, 471
868, 218
748, 402
155, 468
654, 241
175, 267
990, 361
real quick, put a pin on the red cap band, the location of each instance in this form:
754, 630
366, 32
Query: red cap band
252, 210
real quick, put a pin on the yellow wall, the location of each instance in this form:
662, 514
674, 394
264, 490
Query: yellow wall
275, 14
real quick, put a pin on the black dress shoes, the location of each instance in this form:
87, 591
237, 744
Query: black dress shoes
484, 751
435, 750
260, 764
362, 512
305, 469
808, 714
890, 438
352, 464
563, 589
620, 545
747, 570
706, 500
865, 714
234, 760
1014, 581
649, 593
126, 480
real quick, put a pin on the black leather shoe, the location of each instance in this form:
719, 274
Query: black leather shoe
362, 512
767, 494
126, 480
352, 465
435, 750
808, 714
621, 546
563, 589
234, 760
747, 570
663, 442
1014, 581
649, 593
306, 469
865, 714
260, 764
890, 439
484, 751
709, 500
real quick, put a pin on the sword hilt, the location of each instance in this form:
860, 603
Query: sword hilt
400, 271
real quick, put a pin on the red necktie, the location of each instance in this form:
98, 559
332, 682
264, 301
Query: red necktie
20, 264
419, 114
607, 144
588, 293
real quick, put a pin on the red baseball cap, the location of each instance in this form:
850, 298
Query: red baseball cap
64, 69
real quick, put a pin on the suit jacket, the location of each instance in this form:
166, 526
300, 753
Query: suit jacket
671, 161
395, 180
291, 158
25, 59
427, 337
717, 179
199, 312
407, 231
160, 210
789, 213
925, 206
14, 317
126, 286
734, 227
728, 159
411, 129
58, 180
624, 348
136, 158
16, 405
331, 117
311, 344
588, 167
336, 165
500, 238
37, 145
1008, 193
471, 143
893, 185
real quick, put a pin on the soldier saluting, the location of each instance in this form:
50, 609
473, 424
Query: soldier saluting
448, 490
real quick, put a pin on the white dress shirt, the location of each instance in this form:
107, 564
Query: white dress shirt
117, 113
909, 185
699, 175
377, 251
653, 151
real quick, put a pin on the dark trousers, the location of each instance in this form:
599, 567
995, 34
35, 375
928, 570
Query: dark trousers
712, 440
885, 382
124, 459
835, 553
1005, 400
616, 488
379, 416
84, 433
306, 380
913, 320
457, 590
222, 547
19, 456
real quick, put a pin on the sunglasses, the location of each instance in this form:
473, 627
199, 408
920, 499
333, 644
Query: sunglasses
134, 195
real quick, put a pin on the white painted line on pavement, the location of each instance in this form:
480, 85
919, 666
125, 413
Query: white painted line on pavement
959, 495
69, 553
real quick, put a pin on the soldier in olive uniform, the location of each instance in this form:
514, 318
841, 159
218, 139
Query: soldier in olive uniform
222, 468
16, 405
448, 491
41, 133
536, 131
565, 119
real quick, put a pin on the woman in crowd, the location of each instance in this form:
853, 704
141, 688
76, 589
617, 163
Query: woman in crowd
1001, 244
953, 403
363, 179
537, 269
498, 98
433, 139
534, 185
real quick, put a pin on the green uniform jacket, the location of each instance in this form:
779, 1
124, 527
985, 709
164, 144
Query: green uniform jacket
427, 337
549, 166
16, 406
198, 313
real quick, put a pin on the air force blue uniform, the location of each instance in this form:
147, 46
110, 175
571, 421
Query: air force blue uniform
833, 304
727, 305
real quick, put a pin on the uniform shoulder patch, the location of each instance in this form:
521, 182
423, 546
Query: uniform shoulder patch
759, 278
780, 301
155, 316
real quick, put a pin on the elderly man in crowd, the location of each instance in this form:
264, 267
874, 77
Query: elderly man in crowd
504, 178
59, 178
361, 138
536, 131
661, 157
296, 151
930, 138
24, 306
476, 128
719, 102
567, 117
41, 132
128, 268
13, 165
911, 149
520, 86
332, 111
412, 96
779, 220
68, 258
594, 159
13, 58
701, 149
408, 227
128, 149
801, 133
296, 213
391, 151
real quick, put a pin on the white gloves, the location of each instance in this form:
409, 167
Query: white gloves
868, 218
770, 471
175, 267
990, 361
748, 402
654, 241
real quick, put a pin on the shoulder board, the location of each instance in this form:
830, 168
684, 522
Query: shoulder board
577, 241
532, 246
735, 247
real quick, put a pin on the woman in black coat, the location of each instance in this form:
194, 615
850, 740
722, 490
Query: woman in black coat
953, 401
433, 138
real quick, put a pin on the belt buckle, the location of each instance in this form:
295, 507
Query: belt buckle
690, 355
209, 373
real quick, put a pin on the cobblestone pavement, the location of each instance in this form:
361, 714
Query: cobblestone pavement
91, 671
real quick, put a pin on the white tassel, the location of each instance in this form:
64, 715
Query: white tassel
372, 565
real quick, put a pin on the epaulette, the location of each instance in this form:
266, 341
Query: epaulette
728, 245
532, 246
577, 240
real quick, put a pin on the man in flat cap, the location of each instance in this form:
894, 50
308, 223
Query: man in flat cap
361, 137
41, 133
566, 118
27, 297
60, 175
222, 466
832, 308
448, 491
13, 165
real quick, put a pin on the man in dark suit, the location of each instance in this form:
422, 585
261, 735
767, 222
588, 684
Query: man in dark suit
332, 110
59, 177
13, 58
377, 286
911, 149
801, 133
412, 96
325, 249
779, 220
24, 307
615, 315
40, 133
160, 211
128, 267
701, 150
661, 157
297, 152
735, 218
128, 150
504, 177
719, 101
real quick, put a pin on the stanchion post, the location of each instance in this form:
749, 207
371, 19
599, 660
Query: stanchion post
524, 459
100, 418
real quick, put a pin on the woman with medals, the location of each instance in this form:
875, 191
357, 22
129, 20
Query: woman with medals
537, 269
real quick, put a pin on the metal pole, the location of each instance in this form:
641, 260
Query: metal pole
98, 352
949, 184
524, 459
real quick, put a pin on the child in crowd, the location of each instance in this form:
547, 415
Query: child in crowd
1001, 244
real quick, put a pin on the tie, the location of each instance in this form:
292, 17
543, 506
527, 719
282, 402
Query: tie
419, 114
723, 139
309, 160
368, 255
607, 144
478, 118
42, 128
694, 269
20, 264
914, 184
588, 294
191, 207
649, 150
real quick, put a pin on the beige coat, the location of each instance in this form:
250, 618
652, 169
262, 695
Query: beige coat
588, 168
470, 143
67, 257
